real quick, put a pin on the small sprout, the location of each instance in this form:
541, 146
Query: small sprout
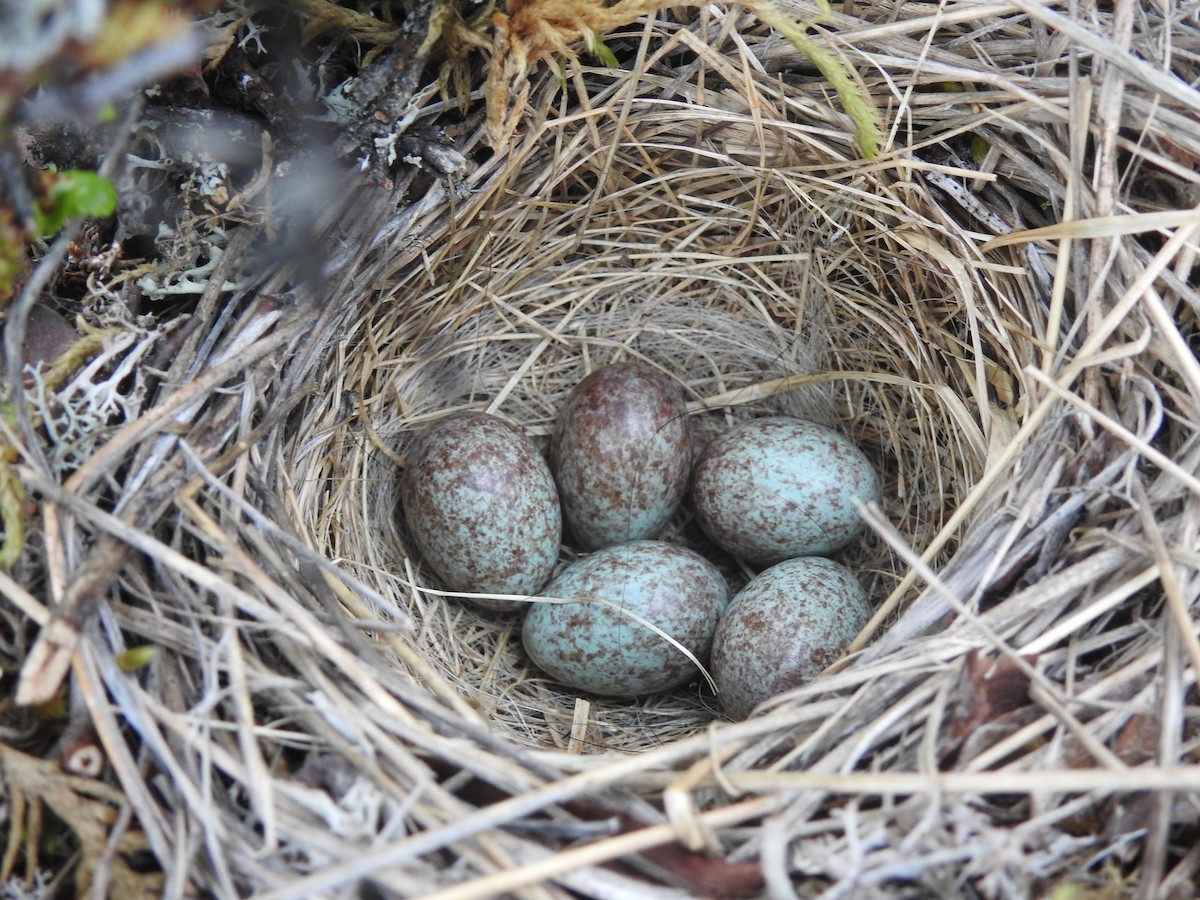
55, 710
980, 147
601, 51
136, 657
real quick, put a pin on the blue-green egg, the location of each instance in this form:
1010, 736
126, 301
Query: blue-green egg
774, 488
784, 628
482, 507
596, 645
621, 454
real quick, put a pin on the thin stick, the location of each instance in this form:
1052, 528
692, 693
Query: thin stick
1167, 575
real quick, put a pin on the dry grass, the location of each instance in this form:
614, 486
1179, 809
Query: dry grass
1019, 717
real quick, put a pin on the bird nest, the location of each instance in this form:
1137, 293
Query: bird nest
999, 307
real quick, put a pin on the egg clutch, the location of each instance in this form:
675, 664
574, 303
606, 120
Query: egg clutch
635, 616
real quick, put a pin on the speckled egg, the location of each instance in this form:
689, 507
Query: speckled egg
784, 628
621, 454
482, 508
596, 647
774, 488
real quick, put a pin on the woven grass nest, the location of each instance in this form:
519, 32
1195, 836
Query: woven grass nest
999, 308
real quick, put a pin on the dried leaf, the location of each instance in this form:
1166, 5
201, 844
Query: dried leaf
1137, 741
989, 692
707, 876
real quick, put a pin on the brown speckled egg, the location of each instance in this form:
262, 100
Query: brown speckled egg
774, 488
482, 508
597, 647
621, 454
784, 628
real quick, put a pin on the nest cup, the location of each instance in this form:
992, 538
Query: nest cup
752, 263
717, 221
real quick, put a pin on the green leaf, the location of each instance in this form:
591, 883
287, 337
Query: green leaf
601, 51
979, 148
75, 194
136, 657
84, 194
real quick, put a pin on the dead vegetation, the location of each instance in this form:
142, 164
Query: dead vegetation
1000, 307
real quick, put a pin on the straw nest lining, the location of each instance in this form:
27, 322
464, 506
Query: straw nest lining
744, 265
705, 211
